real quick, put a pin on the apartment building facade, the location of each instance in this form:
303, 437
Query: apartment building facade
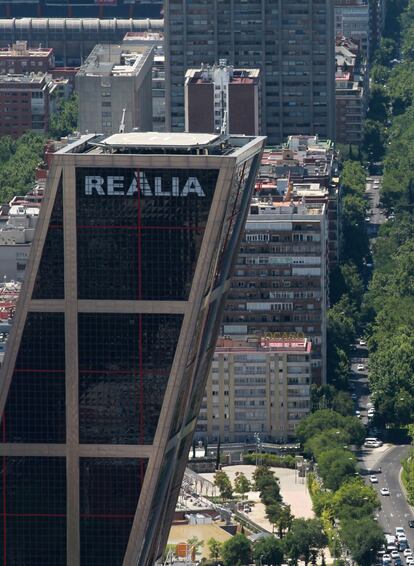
24, 104
291, 42
280, 283
256, 386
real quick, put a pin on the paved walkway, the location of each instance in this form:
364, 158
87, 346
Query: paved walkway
293, 490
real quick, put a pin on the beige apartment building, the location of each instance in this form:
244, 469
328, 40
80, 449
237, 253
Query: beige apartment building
257, 385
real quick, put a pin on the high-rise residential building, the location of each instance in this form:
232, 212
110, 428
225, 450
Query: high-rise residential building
156, 39
280, 282
353, 21
112, 342
256, 386
25, 104
290, 41
221, 96
114, 86
351, 92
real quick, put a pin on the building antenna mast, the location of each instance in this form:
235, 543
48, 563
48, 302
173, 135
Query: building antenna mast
122, 124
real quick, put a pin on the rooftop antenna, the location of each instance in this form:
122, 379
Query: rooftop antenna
122, 124
224, 125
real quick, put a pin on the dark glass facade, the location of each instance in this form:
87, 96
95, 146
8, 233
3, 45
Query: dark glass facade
109, 492
124, 364
33, 516
35, 409
104, 376
138, 238
49, 282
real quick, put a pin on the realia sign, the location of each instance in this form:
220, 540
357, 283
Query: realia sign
118, 185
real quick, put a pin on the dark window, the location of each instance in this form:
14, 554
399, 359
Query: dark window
109, 493
35, 408
124, 365
49, 279
140, 246
33, 511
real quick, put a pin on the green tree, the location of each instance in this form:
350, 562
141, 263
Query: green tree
336, 466
268, 550
64, 120
214, 547
326, 419
280, 516
326, 440
195, 545
237, 551
305, 538
222, 481
241, 484
354, 499
364, 538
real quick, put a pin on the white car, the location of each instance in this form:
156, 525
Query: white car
373, 479
386, 559
362, 343
394, 554
408, 552
358, 414
399, 531
371, 413
360, 367
384, 491
410, 561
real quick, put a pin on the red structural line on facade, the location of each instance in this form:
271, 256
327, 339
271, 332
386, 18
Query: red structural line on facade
152, 227
4, 495
139, 258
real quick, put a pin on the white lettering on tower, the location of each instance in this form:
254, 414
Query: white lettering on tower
114, 185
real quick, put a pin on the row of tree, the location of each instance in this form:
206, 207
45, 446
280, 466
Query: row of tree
297, 538
341, 499
389, 303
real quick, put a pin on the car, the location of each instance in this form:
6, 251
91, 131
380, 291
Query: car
371, 413
411, 524
399, 531
394, 554
358, 414
386, 559
384, 491
401, 538
353, 396
373, 479
408, 552
362, 342
410, 561
360, 367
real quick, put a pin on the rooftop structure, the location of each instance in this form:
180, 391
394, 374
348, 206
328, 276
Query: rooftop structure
19, 58
114, 87
113, 339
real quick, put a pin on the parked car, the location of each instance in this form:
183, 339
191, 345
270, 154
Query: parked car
411, 524
399, 531
360, 367
394, 554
